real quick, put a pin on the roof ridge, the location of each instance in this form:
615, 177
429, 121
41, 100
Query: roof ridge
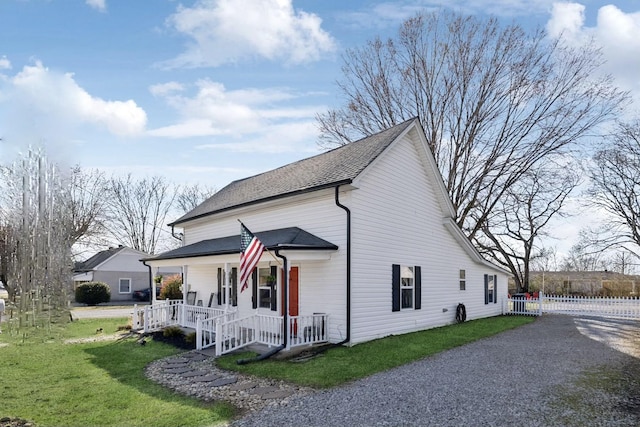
339, 165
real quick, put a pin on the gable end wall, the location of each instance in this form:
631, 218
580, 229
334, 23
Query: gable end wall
397, 220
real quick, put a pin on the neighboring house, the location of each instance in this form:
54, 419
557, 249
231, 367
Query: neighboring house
120, 268
365, 234
588, 283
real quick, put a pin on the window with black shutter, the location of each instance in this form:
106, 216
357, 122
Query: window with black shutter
406, 287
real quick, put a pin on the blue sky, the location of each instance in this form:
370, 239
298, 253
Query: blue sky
214, 90
204, 91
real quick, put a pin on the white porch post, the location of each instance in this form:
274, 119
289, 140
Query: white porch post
185, 289
285, 304
227, 286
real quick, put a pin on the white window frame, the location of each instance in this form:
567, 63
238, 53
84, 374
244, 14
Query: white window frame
491, 289
264, 288
463, 279
407, 284
120, 285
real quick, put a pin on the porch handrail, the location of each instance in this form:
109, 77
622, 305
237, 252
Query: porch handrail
156, 316
206, 328
235, 334
307, 330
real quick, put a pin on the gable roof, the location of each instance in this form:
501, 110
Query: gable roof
284, 238
100, 258
338, 166
91, 263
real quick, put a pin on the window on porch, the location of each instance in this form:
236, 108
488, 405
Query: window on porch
265, 288
266, 285
228, 287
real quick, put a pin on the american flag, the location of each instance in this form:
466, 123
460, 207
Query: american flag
250, 252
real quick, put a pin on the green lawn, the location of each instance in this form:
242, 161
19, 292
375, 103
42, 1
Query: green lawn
342, 364
52, 383
92, 384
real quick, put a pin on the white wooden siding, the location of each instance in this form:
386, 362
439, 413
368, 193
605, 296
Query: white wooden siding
125, 260
322, 284
397, 220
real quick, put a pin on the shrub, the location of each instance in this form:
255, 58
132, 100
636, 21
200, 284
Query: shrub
93, 293
171, 288
172, 332
190, 338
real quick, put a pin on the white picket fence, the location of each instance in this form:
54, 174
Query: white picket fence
613, 307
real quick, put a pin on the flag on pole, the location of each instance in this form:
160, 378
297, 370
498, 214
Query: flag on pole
250, 252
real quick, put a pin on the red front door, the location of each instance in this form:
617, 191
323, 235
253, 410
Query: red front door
293, 292
293, 298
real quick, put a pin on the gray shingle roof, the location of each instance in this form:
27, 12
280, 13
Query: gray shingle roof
97, 259
340, 165
284, 238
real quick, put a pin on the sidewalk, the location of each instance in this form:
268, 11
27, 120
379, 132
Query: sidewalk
104, 311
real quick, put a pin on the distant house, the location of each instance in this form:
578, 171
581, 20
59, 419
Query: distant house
120, 268
363, 235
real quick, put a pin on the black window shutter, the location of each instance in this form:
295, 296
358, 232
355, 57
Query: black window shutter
395, 287
254, 288
486, 289
234, 287
417, 273
274, 293
495, 289
219, 286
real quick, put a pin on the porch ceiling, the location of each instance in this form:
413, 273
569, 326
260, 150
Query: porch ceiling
292, 238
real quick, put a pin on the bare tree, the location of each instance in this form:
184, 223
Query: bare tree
137, 211
494, 102
512, 233
582, 257
190, 196
87, 208
615, 187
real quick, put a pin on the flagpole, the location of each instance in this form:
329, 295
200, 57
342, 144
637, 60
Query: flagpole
265, 248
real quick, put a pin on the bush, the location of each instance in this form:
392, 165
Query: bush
171, 288
172, 332
93, 293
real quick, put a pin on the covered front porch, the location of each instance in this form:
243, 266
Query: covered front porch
225, 330
286, 301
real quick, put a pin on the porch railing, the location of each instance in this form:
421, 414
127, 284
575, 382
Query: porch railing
223, 329
268, 330
206, 328
157, 316
170, 313
307, 330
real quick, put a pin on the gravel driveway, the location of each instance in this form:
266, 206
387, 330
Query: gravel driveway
557, 371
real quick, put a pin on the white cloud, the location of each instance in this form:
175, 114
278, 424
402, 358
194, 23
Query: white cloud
249, 119
41, 97
229, 31
280, 138
100, 5
617, 32
567, 19
5, 64
214, 110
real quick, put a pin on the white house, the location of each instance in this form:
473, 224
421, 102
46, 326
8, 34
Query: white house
364, 235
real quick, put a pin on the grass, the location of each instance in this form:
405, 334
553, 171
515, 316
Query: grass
92, 384
612, 390
343, 364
